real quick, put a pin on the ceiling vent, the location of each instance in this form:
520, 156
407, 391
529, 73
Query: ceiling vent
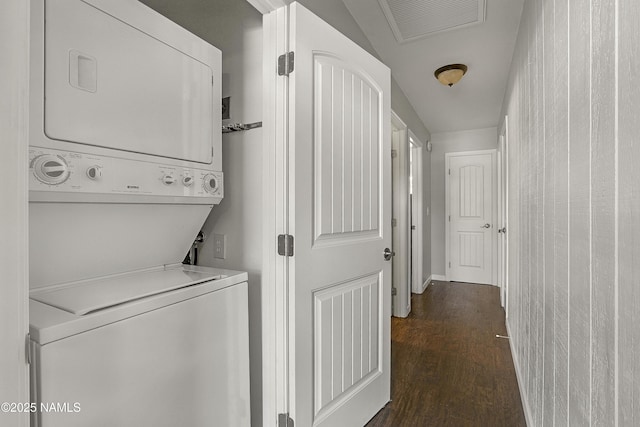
414, 19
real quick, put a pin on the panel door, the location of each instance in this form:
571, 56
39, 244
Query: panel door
470, 216
340, 215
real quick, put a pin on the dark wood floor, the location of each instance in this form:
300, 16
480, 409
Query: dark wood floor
448, 367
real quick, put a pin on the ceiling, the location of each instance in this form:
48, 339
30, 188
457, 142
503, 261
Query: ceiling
486, 48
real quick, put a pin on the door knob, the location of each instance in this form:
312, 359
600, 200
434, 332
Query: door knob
388, 254
487, 225
502, 230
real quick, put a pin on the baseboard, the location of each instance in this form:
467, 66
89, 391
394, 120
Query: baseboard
438, 277
426, 284
516, 365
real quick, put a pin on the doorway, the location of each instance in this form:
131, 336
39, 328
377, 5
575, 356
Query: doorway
416, 185
470, 214
503, 184
401, 218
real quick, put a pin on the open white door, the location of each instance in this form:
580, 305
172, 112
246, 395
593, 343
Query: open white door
340, 216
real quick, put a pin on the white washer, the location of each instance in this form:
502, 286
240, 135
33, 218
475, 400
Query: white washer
126, 164
160, 347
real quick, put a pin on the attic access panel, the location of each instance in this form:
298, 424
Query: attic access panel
414, 19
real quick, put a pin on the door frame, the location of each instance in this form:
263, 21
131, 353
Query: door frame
275, 288
503, 213
402, 229
14, 222
417, 218
494, 208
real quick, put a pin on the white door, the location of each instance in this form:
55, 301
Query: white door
470, 217
340, 217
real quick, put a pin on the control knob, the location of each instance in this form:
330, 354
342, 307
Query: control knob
168, 179
210, 183
94, 172
50, 169
187, 180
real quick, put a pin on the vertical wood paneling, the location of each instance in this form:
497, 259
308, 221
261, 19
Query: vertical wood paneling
537, 183
346, 339
471, 249
356, 362
574, 200
323, 173
629, 213
580, 212
348, 316
337, 149
366, 330
323, 368
337, 345
471, 190
358, 88
549, 260
375, 161
346, 151
561, 224
366, 158
603, 145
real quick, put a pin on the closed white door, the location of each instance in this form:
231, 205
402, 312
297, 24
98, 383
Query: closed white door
340, 217
471, 229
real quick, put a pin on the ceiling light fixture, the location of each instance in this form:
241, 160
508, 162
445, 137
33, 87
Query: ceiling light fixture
450, 74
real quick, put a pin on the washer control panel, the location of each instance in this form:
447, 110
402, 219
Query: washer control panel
72, 172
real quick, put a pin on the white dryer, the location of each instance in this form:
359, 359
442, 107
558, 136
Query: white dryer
125, 157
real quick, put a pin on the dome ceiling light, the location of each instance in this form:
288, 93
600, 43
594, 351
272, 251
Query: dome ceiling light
450, 74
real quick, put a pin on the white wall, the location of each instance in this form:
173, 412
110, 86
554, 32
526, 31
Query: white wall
235, 27
14, 36
573, 103
450, 142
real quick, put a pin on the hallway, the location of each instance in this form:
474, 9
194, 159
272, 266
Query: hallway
448, 366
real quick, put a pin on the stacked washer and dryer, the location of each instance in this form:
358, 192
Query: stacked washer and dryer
125, 158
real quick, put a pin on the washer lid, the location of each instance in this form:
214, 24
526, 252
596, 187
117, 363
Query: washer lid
89, 296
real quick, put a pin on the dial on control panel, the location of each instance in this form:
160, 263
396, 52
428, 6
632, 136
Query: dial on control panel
210, 183
187, 180
50, 169
94, 173
168, 179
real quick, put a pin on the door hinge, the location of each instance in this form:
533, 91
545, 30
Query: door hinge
394, 291
394, 222
285, 64
284, 420
449, 218
449, 171
394, 154
285, 245
28, 348
449, 265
